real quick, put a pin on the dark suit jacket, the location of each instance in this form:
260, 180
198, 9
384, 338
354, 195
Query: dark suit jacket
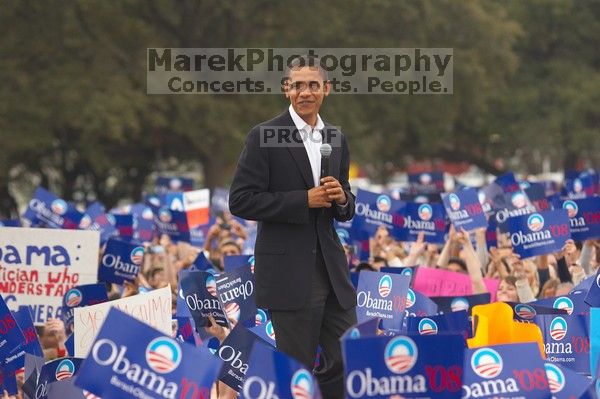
271, 186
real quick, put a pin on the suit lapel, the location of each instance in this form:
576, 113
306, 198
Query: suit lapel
301, 157
298, 152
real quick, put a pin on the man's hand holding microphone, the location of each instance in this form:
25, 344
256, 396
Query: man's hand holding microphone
330, 189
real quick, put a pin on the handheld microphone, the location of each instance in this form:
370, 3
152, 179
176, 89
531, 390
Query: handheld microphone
325, 153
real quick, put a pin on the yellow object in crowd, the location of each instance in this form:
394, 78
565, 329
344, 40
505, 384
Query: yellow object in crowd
493, 324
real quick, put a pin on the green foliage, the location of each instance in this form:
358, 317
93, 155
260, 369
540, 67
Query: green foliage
74, 113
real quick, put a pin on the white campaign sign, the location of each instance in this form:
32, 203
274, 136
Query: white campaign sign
38, 266
153, 308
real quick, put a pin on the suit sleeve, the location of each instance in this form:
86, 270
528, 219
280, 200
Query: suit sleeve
343, 213
249, 196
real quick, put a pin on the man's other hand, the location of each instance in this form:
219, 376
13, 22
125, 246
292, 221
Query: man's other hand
318, 198
335, 192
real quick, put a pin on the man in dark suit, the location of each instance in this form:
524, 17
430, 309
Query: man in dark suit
301, 270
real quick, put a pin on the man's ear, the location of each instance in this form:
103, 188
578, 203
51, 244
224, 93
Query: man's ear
286, 87
327, 88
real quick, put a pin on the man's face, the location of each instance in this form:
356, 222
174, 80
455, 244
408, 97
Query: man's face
306, 91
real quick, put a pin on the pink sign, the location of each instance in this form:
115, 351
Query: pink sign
439, 282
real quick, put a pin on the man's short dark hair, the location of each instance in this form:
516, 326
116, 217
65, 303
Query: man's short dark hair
311, 61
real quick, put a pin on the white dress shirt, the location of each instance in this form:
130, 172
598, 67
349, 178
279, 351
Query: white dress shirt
312, 142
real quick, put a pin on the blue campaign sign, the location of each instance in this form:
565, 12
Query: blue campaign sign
458, 303
235, 353
67, 389
374, 210
198, 234
425, 183
594, 342
265, 331
128, 355
201, 263
142, 218
272, 374
584, 217
124, 225
235, 261
95, 219
421, 198
236, 294
567, 384
539, 233
182, 309
585, 284
79, 296
8, 382
346, 233
407, 366
121, 261
491, 197
143, 228
592, 298
566, 340
46, 209
491, 233
70, 343
536, 192
508, 182
11, 335
56, 370
427, 218
514, 204
185, 330
464, 209
581, 185
418, 304
369, 328
505, 371
451, 322
10, 223
574, 303
410, 271
172, 222
200, 292
173, 183
526, 312
382, 295
262, 316
30, 343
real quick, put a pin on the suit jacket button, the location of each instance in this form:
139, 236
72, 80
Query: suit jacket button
314, 251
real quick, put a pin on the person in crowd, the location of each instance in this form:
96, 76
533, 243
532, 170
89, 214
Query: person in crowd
157, 278
227, 248
507, 290
226, 228
564, 288
457, 265
52, 339
378, 262
549, 288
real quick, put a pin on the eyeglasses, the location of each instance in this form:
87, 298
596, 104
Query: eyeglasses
312, 86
